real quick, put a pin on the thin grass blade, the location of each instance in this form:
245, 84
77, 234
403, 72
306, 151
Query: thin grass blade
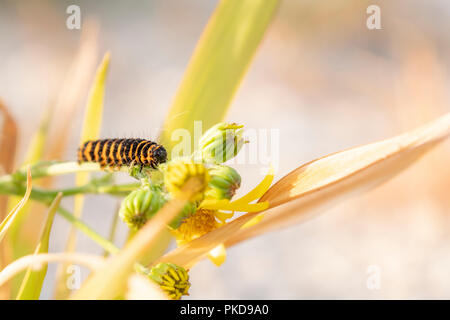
33, 280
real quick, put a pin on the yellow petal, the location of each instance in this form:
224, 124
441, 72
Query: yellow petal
259, 190
253, 221
218, 255
212, 204
243, 204
233, 206
223, 216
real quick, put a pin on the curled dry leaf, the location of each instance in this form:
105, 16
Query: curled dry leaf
314, 186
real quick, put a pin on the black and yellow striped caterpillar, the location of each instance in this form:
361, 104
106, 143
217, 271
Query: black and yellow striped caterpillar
118, 152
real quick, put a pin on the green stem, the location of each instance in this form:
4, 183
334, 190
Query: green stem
47, 195
91, 233
104, 243
112, 231
45, 169
14, 185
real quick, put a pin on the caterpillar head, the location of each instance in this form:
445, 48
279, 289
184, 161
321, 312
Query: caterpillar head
160, 154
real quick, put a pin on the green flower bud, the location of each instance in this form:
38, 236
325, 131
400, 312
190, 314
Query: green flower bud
223, 183
178, 172
140, 205
174, 280
221, 142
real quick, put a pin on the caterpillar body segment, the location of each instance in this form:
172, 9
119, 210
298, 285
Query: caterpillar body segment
120, 152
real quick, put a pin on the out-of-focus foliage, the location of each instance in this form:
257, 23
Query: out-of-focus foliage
220, 60
33, 280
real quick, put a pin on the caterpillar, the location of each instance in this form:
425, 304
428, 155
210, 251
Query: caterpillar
118, 152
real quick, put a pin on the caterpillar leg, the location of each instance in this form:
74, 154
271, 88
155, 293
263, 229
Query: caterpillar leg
103, 164
116, 167
131, 165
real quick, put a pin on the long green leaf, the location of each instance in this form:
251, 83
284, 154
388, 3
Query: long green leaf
33, 280
94, 109
218, 65
92, 121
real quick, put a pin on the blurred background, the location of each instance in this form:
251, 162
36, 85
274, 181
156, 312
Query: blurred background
320, 77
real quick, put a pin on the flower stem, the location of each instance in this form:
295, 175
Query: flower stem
91, 233
53, 168
13, 184
92, 187
47, 197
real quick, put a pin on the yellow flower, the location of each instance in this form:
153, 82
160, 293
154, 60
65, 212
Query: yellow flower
196, 225
211, 215
243, 204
